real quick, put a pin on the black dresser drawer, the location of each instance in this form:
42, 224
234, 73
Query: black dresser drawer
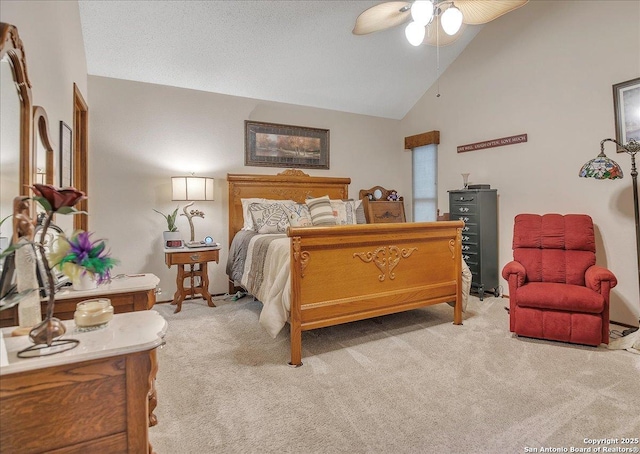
478, 209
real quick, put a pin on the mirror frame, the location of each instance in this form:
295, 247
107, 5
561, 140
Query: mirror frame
11, 45
41, 130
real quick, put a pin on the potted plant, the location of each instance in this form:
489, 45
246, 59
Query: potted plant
171, 234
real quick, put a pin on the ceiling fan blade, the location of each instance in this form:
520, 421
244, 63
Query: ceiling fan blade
381, 17
476, 12
442, 39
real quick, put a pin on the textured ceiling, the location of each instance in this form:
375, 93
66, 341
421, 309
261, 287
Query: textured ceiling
298, 52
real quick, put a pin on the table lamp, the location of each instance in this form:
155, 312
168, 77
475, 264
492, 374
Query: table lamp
191, 189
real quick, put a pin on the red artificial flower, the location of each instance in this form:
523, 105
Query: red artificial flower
58, 198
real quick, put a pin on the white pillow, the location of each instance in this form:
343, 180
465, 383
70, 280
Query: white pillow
360, 216
321, 212
246, 216
299, 215
344, 211
269, 217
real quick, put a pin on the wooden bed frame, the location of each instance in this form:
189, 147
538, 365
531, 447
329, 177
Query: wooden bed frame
353, 272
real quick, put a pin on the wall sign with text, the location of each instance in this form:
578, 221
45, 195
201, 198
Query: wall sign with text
520, 138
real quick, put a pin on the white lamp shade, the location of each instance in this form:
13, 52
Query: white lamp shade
192, 188
414, 33
451, 20
422, 11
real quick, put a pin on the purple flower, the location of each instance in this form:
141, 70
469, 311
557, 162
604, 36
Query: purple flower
89, 255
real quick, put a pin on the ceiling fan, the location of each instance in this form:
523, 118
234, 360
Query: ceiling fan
431, 17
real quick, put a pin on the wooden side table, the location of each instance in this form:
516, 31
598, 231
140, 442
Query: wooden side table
196, 259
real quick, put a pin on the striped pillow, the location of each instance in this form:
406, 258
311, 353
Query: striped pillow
321, 212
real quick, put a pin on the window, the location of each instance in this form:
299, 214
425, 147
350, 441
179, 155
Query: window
425, 187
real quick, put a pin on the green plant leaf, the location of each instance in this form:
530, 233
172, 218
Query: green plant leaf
44, 202
11, 248
2, 221
70, 210
170, 218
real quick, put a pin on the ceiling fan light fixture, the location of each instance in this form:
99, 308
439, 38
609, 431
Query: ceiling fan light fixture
422, 11
451, 20
414, 33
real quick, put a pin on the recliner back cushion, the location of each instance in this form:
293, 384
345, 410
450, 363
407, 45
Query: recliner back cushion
553, 247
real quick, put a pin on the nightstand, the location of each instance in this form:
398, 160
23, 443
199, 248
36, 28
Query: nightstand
196, 259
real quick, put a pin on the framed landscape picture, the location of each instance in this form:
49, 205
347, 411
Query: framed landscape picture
626, 105
276, 145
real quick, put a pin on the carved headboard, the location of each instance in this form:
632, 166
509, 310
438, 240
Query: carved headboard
290, 184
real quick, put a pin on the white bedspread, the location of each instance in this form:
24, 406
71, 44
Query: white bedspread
267, 276
273, 287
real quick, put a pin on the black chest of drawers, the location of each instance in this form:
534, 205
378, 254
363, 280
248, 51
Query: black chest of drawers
478, 208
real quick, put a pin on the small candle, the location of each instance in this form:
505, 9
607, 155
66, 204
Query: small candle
93, 313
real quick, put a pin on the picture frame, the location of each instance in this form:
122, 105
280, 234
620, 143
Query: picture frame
66, 155
626, 106
278, 145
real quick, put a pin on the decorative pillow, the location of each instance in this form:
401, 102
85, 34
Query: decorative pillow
360, 216
298, 214
344, 211
248, 219
321, 212
269, 217
246, 216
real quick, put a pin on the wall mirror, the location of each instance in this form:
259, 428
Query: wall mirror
43, 160
16, 172
43, 154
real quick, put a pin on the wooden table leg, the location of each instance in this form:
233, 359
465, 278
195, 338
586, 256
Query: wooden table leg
205, 285
179, 296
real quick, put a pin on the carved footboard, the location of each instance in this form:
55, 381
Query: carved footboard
346, 273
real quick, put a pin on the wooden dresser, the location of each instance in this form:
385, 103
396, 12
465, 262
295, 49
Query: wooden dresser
131, 292
98, 397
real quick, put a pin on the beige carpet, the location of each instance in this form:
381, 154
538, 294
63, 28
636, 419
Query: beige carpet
405, 383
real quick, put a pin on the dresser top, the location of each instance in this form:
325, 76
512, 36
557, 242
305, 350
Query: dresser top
121, 283
126, 333
472, 190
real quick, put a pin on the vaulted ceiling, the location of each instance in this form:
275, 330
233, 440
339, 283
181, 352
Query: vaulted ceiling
298, 52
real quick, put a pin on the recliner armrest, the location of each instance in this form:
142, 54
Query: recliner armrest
516, 268
595, 275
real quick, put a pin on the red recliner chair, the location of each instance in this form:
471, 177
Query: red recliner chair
556, 290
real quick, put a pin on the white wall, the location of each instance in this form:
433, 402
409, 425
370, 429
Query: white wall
52, 38
547, 70
141, 134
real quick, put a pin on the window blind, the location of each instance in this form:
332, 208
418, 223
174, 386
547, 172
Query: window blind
425, 187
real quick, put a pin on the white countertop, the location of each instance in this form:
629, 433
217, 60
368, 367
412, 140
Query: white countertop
126, 283
126, 333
